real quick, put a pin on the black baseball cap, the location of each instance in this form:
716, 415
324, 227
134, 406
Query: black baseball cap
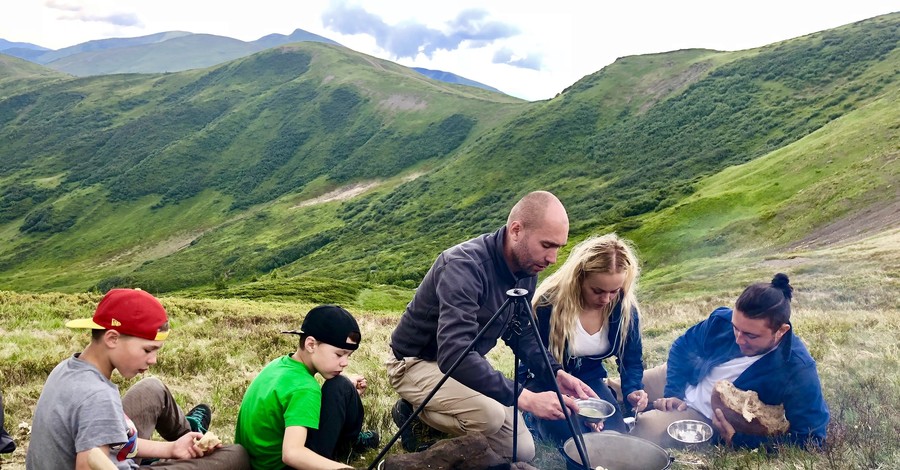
330, 324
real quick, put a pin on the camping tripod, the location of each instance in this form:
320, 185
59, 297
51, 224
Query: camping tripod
516, 299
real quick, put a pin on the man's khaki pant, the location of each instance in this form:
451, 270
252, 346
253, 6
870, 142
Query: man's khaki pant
458, 410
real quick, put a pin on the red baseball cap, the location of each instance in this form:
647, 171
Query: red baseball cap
131, 312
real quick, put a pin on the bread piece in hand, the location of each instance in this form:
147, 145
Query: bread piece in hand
746, 413
207, 442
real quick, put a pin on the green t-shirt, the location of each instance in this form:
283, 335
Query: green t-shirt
283, 394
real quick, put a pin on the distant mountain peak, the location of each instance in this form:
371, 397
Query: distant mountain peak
6, 45
449, 77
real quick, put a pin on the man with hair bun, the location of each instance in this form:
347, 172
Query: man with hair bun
752, 346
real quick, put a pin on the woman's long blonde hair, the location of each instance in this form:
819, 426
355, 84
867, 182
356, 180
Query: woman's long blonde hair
562, 289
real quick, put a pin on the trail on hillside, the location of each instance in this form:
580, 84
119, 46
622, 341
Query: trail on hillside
878, 217
339, 194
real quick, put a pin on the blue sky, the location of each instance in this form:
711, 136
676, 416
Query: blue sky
529, 49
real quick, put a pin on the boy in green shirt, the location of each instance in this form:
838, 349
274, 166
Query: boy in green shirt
286, 419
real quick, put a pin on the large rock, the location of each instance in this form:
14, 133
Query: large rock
469, 452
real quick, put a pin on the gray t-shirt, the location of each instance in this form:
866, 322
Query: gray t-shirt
79, 409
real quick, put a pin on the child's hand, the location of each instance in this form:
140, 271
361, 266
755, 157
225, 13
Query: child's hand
208, 443
359, 382
184, 447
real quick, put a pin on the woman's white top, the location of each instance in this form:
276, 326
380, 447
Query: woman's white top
590, 344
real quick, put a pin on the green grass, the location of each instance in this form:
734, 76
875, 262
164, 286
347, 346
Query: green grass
846, 311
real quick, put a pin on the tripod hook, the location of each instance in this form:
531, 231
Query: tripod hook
514, 325
517, 292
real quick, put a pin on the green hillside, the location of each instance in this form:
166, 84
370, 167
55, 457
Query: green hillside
95, 166
782, 198
839, 186
17, 75
311, 161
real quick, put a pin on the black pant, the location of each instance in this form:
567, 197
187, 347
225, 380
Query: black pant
7, 444
340, 420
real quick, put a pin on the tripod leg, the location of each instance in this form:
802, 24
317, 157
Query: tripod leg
515, 436
577, 436
437, 387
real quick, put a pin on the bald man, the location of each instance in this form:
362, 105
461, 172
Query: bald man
464, 288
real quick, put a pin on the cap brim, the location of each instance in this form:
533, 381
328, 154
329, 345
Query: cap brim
84, 323
161, 336
292, 332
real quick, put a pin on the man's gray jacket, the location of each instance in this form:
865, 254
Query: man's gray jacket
464, 288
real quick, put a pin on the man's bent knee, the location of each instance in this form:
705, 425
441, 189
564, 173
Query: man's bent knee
526, 451
488, 421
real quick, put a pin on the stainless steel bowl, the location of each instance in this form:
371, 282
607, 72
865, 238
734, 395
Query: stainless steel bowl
689, 431
594, 410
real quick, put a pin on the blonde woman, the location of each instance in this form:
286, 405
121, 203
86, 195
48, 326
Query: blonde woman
586, 312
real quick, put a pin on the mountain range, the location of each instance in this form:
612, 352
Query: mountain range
307, 165
171, 51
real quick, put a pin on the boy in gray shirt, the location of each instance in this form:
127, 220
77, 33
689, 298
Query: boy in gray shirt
80, 409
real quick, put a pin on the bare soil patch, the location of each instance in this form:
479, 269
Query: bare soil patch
878, 217
158, 250
403, 102
339, 194
659, 89
786, 263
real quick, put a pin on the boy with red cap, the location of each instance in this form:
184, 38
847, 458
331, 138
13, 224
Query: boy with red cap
287, 420
80, 408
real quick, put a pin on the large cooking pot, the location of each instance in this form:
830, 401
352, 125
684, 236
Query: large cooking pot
616, 451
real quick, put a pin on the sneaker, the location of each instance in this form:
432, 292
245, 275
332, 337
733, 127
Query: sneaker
366, 440
418, 436
401, 412
199, 418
